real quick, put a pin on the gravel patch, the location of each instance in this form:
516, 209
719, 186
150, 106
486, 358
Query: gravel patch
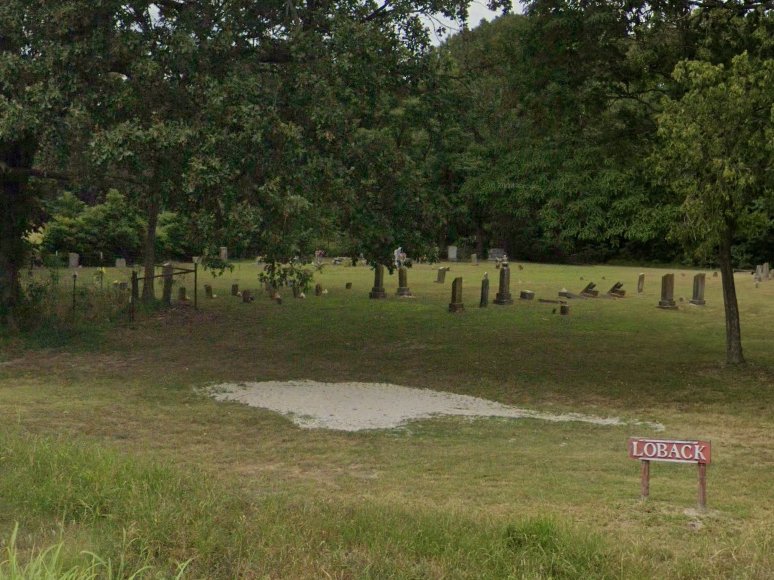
362, 406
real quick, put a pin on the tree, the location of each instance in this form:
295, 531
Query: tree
715, 152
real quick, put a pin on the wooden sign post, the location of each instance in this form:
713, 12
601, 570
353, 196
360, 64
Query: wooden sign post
674, 451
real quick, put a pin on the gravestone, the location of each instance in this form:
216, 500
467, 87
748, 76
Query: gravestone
181, 294
526, 295
208, 291
589, 291
441, 275
166, 271
223, 254
120, 262
504, 291
484, 302
403, 289
318, 289
714, 274
474, 259
247, 296
377, 291
235, 289
698, 290
759, 271
564, 310
640, 283
456, 304
766, 271
451, 253
667, 292
73, 260
496, 254
348, 286
617, 290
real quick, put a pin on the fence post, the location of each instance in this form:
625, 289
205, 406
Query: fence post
166, 272
134, 296
196, 283
75, 277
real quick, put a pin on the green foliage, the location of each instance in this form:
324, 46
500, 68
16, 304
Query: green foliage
113, 228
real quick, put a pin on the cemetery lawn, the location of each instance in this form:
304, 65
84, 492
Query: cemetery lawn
107, 447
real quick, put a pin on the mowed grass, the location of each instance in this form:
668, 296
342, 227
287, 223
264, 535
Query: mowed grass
107, 447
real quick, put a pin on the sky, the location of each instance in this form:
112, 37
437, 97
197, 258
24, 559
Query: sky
476, 12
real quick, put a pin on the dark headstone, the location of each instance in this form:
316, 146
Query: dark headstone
504, 291
564, 310
377, 291
246, 296
235, 289
714, 274
403, 289
348, 286
318, 289
181, 294
667, 292
617, 290
589, 291
640, 283
484, 302
208, 291
456, 304
699, 281
526, 295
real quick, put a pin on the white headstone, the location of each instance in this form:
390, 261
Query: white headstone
120, 262
223, 253
73, 260
451, 253
474, 258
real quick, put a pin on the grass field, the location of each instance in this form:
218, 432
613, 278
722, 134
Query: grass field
111, 460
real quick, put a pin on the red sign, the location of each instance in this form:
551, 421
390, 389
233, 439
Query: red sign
670, 450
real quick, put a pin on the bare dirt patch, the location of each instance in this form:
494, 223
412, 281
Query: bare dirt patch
363, 406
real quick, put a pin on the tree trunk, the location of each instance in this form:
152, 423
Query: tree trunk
733, 328
480, 240
16, 209
149, 251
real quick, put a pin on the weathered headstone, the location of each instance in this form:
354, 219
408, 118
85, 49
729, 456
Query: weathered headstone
496, 254
348, 286
698, 289
166, 272
451, 253
208, 291
474, 259
223, 253
526, 295
377, 291
504, 291
484, 302
766, 271
589, 291
182, 296
120, 262
667, 292
403, 289
318, 289
564, 310
441, 275
235, 289
640, 283
247, 296
456, 304
73, 260
617, 290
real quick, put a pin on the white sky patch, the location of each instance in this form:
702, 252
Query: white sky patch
364, 406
